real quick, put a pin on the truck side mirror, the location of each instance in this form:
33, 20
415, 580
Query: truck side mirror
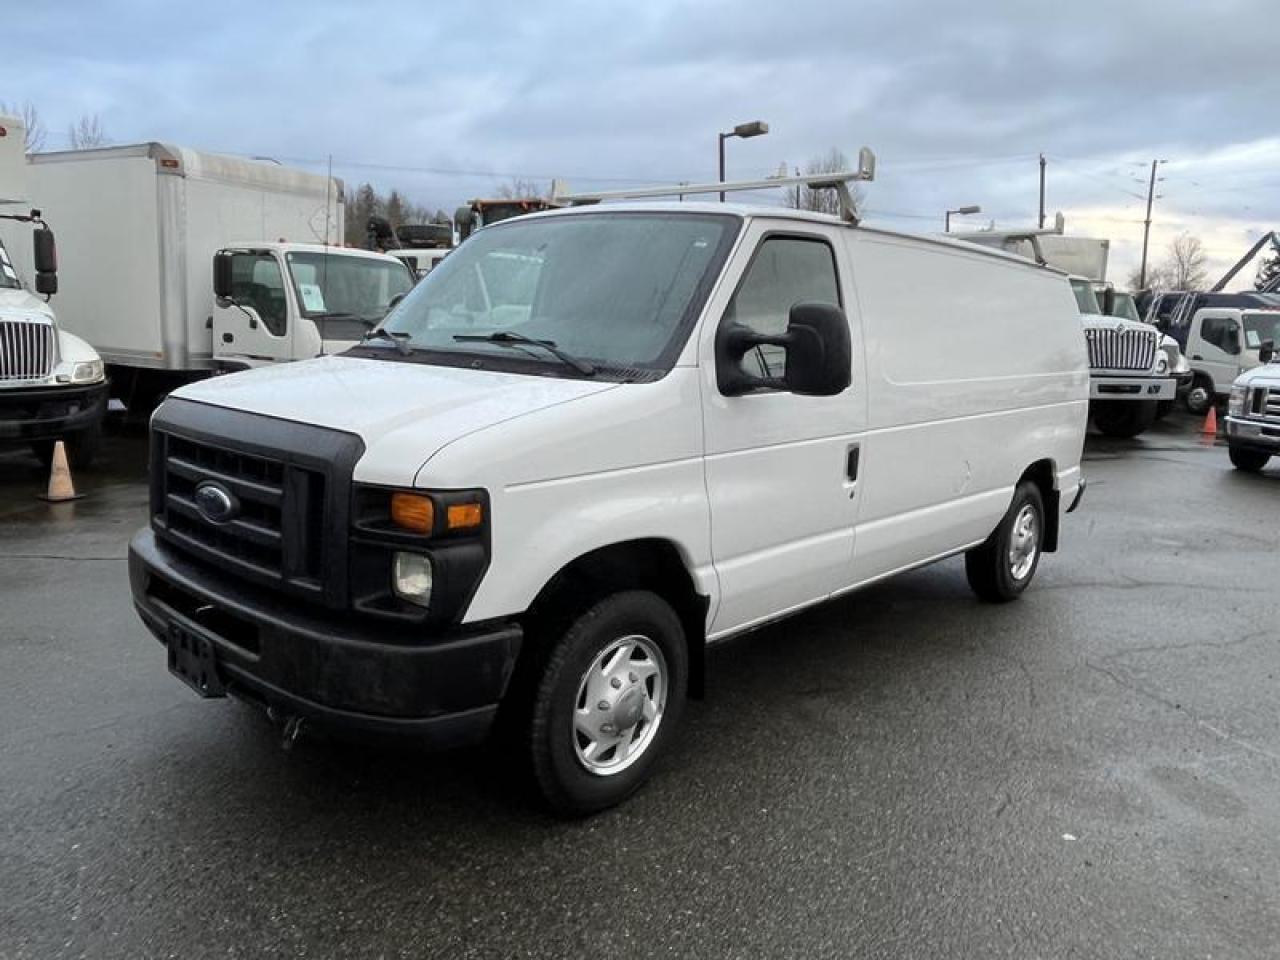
1109, 301
222, 275
1266, 351
46, 262
1233, 339
819, 353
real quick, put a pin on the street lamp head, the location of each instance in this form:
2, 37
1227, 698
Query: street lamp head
755, 128
974, 208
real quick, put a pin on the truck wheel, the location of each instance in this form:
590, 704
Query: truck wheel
1000, 569
1124, 419
606, 702
1248, 459
1199, 395
1164, 408
82, 448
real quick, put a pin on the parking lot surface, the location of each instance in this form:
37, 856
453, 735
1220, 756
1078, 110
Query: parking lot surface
1092, 771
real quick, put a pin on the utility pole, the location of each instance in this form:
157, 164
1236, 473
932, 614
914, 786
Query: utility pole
1146, 225
1042, 162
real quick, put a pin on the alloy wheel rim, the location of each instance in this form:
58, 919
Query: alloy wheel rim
619, 706
1024, 542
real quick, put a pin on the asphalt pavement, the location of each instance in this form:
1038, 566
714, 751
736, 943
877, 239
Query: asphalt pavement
1092, 771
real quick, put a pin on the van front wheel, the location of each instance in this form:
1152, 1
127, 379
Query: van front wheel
1004, 564
607, 701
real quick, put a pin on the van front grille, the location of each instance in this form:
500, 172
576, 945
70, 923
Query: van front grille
1122, 349
26, 350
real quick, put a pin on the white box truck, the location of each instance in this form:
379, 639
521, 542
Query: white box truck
143, 224
52, 385
686, 420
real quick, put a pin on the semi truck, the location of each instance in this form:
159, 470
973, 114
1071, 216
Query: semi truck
144, 224
1133, 368
52, 384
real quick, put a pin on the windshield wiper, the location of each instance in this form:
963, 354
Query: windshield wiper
512, 338
398, 338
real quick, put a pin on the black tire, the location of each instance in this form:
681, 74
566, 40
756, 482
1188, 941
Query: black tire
561, 777
1248, 459
1123, 419
988, 566
82, 448
1199, 397
1164, 408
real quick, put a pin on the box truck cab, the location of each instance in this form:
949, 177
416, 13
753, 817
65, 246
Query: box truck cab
52, 384
292, 301
687, 420
1222, 343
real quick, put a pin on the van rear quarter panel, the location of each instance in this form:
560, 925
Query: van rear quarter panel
976, 368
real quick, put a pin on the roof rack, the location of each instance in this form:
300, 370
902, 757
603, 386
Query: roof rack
838, 181
1031, 234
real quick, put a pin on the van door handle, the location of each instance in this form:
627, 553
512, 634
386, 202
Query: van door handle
1196, 356
851, 463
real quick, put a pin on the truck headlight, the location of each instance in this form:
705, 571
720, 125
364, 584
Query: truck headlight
1162, 363
1235, 405
411, 577
87, 371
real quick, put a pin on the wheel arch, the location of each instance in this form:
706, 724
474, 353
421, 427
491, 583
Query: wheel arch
1044, 474
654, 564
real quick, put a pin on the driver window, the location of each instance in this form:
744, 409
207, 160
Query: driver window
1221, 333
257, 282
785, 271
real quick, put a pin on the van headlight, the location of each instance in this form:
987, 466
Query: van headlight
411, 577
87, 371
1235, 405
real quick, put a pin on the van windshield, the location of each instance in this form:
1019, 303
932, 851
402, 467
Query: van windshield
614, 290
1260, 327
1085, 299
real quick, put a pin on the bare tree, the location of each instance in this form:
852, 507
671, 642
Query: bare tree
519, 189
823, 201
87, 133
1158, 278
30, 118
1268, 271
1186, 263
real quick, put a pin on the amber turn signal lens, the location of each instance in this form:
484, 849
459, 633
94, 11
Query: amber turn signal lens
413, 511
464, 516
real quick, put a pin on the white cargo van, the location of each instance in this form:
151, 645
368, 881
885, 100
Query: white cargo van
1253, 412
663, 425
141, 226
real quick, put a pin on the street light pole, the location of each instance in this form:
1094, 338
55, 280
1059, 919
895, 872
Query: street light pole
756, 128
1146, 226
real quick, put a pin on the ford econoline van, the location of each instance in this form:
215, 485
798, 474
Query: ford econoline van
592, 442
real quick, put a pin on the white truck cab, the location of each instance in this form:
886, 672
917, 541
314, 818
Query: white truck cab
293, 301
1222, 343
52, 383
593, 441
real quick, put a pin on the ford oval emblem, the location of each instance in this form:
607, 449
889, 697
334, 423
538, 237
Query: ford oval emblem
216, 503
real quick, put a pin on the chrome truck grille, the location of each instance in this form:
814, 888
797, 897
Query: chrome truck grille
1122, 349
26, 350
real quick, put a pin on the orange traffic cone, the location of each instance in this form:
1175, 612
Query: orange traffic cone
60, 486
1210, 427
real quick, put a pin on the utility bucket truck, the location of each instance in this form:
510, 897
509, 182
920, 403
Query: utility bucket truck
52, 385
143, 224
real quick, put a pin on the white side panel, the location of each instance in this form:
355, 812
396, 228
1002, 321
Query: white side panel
976, 370
619, 465
104, 216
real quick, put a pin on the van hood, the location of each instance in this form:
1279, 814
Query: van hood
21, 305
404, 412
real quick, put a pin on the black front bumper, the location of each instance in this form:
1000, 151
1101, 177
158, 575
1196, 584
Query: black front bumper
45, 413
343, 672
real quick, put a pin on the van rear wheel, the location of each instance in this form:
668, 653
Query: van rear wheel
606, 702
1000, 569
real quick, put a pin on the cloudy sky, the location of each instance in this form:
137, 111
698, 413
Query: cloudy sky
446, 100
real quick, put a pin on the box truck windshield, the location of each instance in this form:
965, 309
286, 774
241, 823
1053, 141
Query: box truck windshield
1085, 298
341, 285
1261, 327
616, 289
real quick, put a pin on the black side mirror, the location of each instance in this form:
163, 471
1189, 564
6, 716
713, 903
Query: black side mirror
818, 346
1109, 301
1266, 351
222, 275
46, 262
1233, 340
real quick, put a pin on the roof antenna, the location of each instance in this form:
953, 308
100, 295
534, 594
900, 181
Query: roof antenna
324, 269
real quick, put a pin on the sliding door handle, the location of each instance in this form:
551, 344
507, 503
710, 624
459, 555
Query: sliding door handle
852, 459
